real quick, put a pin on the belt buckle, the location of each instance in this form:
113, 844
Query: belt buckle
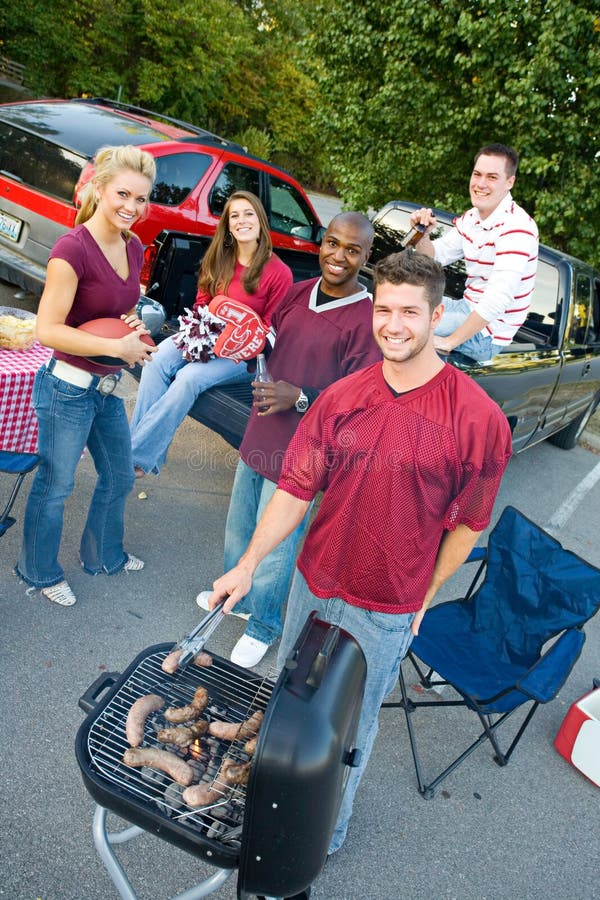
107, 384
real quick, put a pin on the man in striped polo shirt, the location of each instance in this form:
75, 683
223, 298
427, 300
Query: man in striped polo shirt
498, 241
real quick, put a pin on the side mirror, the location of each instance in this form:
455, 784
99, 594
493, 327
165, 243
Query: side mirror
152, 313
319, 234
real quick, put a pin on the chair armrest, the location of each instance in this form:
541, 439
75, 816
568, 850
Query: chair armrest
543, 680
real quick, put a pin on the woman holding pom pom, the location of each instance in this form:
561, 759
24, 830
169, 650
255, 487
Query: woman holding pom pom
240, 264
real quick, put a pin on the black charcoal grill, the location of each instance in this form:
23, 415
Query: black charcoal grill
276, 830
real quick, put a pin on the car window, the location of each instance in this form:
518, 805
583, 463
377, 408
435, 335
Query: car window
233, 178
390, 230
582, 309
594, 332
38, 163
81, 127
290, 214
543, 317
176, 175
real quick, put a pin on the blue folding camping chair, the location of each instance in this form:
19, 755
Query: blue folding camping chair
512, 640
19, 464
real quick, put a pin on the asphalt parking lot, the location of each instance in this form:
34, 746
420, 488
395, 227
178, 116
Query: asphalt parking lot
525, 832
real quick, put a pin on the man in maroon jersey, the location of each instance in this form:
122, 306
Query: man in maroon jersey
323, 332
409, 454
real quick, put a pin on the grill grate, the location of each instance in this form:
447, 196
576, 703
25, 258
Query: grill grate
233, 698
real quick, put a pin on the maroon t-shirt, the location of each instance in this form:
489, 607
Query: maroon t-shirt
101, 292
396, 471
314, 346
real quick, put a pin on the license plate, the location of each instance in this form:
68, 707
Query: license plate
10, 227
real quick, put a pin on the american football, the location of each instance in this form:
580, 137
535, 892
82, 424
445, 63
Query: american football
110, 328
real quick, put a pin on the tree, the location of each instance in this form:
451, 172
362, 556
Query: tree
409, 91
232, 66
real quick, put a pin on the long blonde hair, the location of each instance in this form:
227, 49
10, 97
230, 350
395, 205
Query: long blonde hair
219, 260
107, 163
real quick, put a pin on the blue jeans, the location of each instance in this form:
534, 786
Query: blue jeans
480, 346
249, 496
166, 393
70, 417
384, 639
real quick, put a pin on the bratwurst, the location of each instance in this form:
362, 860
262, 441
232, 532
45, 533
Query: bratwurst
250, 746
180, 714
230, 774
237, 731
170, 662
137, 715
176, 768
235, 773
202, 795
183, 735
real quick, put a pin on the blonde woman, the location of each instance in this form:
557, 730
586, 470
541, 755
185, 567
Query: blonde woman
241, 264
93, 272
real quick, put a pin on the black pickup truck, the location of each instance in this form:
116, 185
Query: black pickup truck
547, 382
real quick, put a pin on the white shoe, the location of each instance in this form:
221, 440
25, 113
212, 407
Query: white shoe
133, 564
248, 652
60, 593
202, 601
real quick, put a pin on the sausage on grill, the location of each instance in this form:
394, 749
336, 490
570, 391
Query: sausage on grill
137, 715
236, 731
202, 794
230, 774
170, 662
250, 746
167, 762
179, 714
235, 773
183, 735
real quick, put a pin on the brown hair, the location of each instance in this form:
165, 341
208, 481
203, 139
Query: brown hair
409, 267
510, 156
107, 163
219, 260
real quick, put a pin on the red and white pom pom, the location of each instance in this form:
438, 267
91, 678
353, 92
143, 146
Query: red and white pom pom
198, 334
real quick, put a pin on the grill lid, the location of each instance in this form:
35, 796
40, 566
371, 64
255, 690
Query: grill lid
302, 761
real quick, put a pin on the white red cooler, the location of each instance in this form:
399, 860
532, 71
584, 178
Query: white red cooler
578, 738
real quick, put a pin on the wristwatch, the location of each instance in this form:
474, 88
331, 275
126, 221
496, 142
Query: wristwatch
302, 402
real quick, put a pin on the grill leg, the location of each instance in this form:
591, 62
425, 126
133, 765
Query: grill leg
103, 840
209, 886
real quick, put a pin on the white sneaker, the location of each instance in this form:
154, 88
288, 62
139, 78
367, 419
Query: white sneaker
248, 652
202, 601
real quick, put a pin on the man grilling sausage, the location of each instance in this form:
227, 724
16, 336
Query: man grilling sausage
409, 454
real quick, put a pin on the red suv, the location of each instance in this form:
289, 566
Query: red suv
46, 153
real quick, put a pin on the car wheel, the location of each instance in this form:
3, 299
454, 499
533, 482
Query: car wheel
568, 437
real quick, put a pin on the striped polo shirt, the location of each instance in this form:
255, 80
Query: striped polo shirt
500, 255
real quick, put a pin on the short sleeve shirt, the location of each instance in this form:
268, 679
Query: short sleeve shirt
396, 472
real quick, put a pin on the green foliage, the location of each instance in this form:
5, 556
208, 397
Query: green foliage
410, 90
381, 98
256, 141
227, 65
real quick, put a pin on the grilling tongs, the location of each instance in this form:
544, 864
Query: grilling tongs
194, 642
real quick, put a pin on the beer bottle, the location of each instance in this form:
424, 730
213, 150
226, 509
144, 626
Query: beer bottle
262, 375
412, 236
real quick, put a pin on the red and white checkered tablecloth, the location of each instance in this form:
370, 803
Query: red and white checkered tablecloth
18, 422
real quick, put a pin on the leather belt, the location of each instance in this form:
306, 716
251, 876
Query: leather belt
105, 384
